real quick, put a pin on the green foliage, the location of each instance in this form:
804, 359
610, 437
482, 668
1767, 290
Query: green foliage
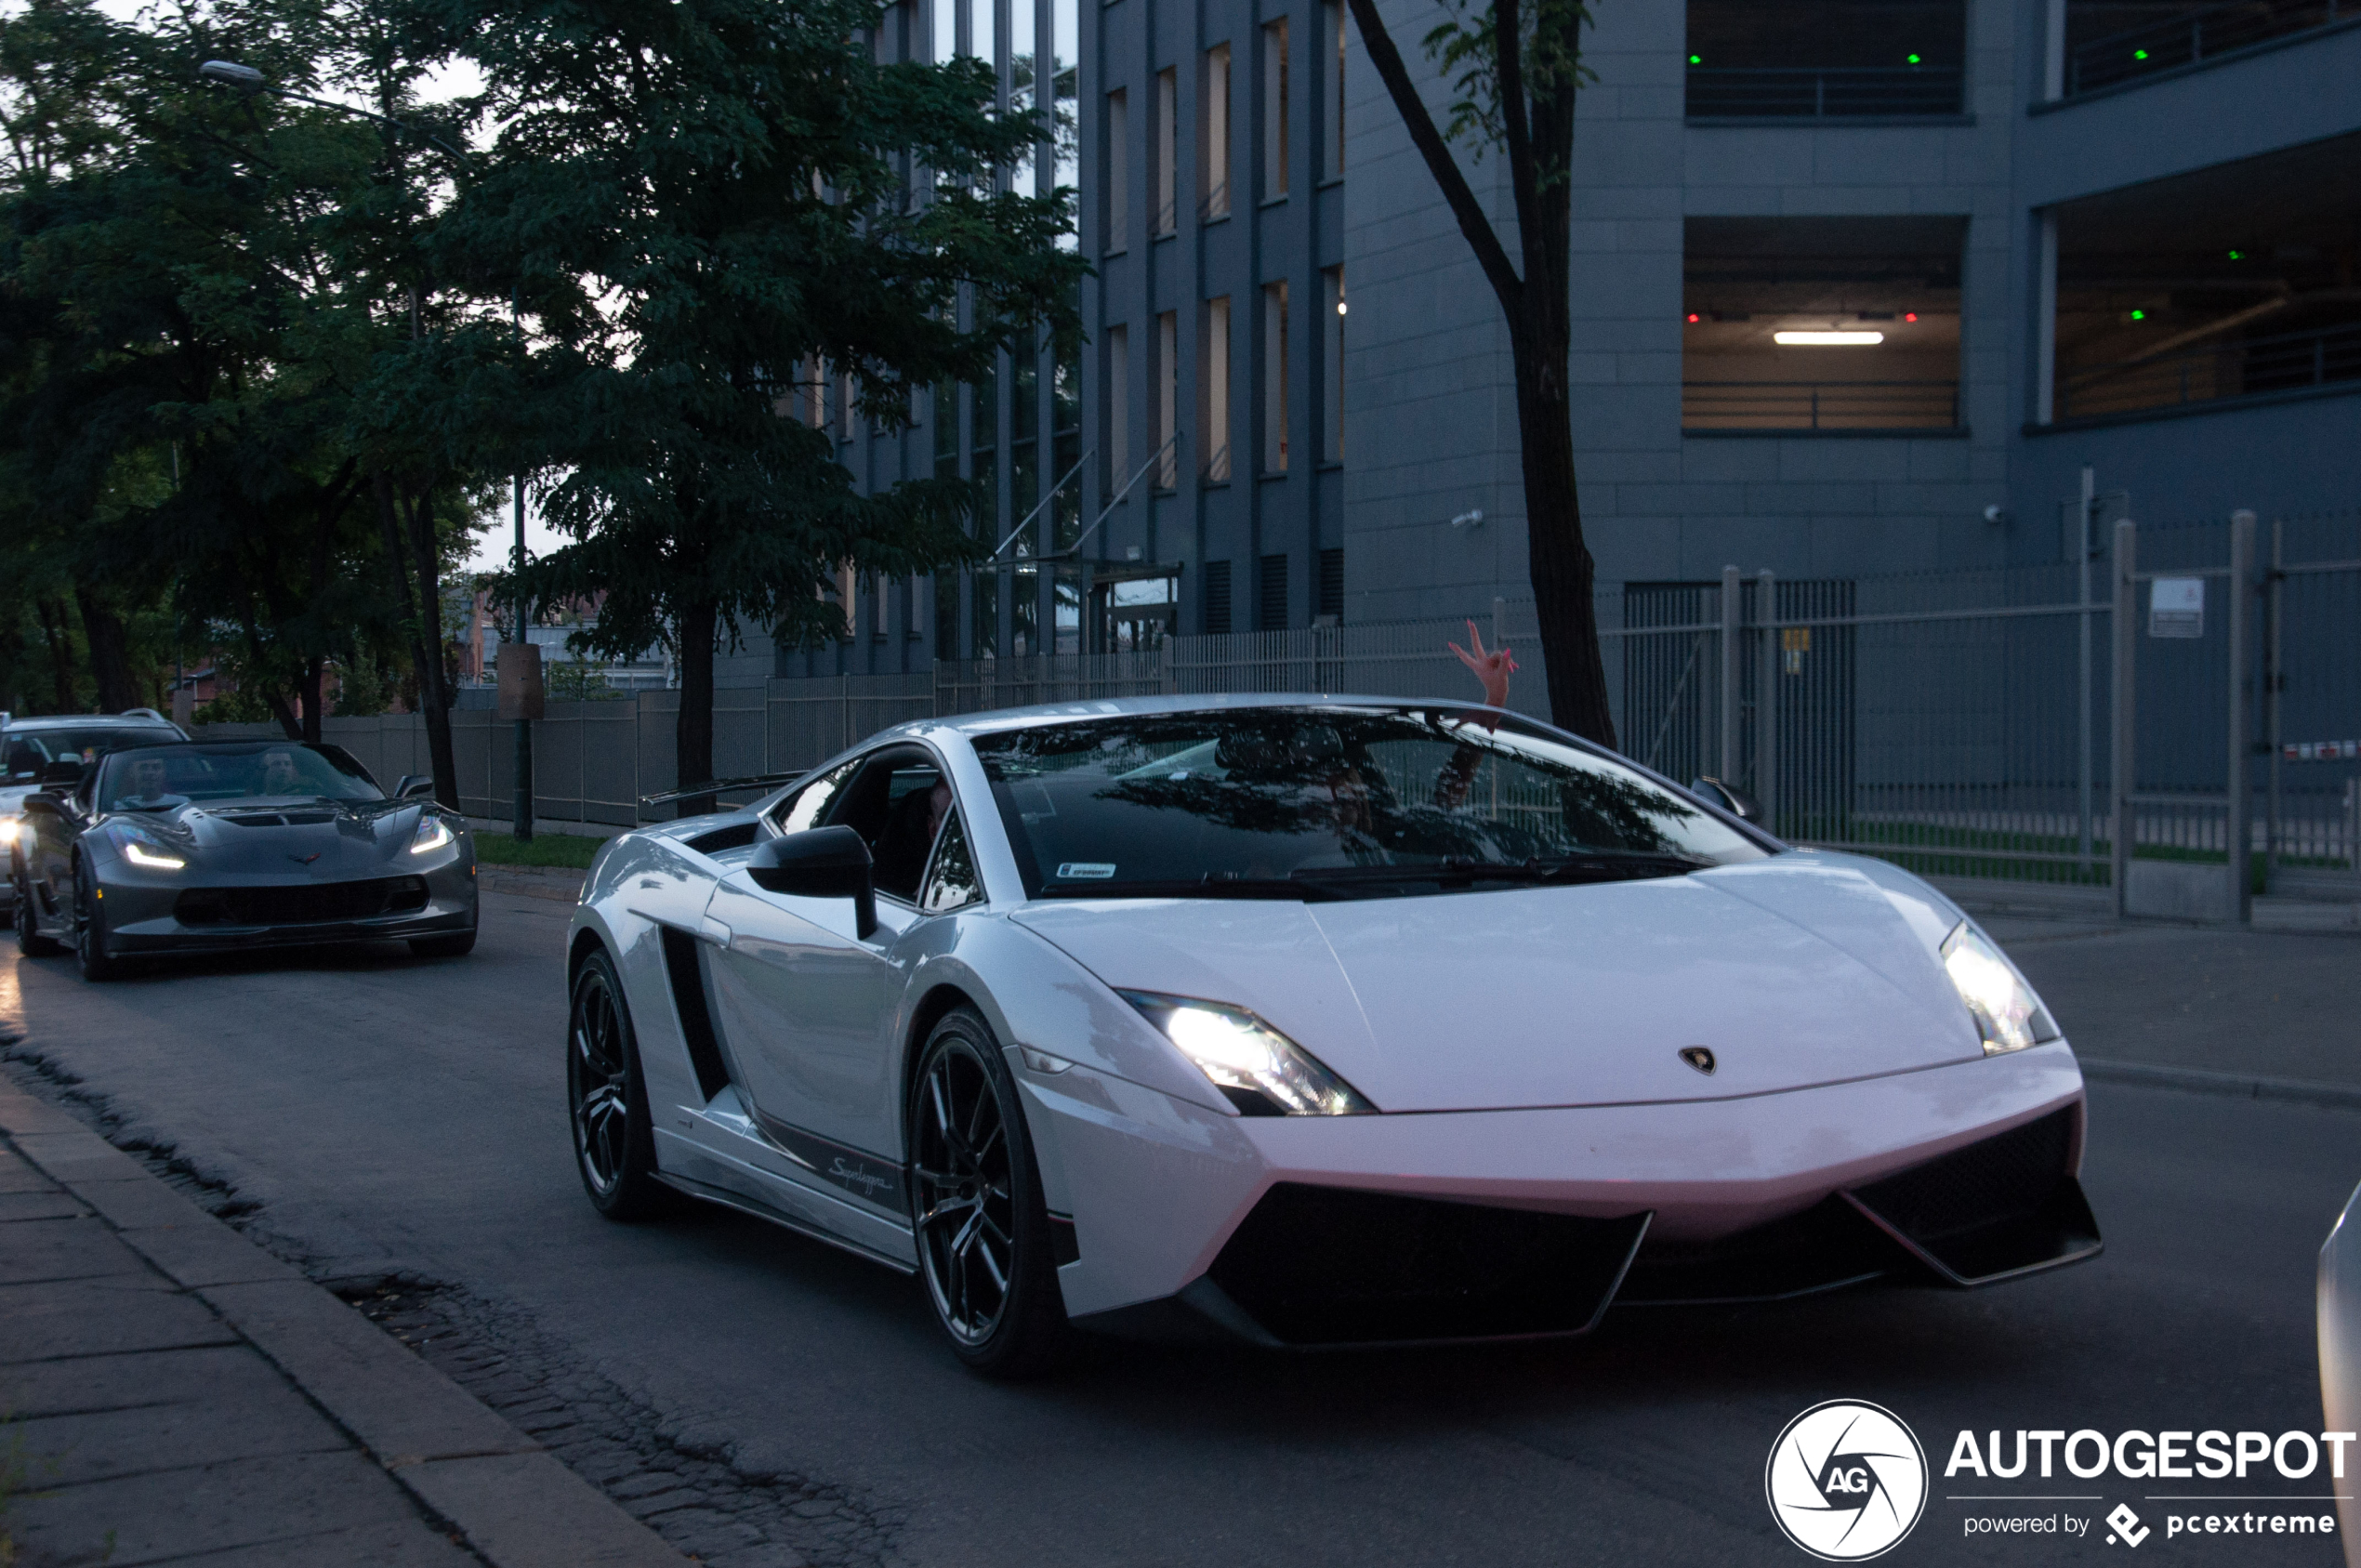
579, 680
569, 850
232, 708
1466, 48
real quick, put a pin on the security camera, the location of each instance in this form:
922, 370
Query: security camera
1996, 513
1471, 518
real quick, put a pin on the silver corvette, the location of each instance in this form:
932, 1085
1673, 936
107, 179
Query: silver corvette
1305, 1021
218, 846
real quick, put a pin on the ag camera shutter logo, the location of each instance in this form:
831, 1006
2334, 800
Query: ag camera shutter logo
1847, 1481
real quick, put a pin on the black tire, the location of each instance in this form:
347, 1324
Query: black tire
90, 931
614, 1144
984, 1252
29, 942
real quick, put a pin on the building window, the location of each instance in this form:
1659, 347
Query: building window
1270, 603
1332, 586
1337, 35
1806, 325
946, 30
1118, 161
1118, 408
1024, 449
1168, 131
1167, 398
946, 430
1065, 453
983, 464
1217, 598
847, 406
1217, 133
2109, 41
1332, 365
1065, 89
1217, 390
1275, 377
1823, 58
1274, 110
946, 614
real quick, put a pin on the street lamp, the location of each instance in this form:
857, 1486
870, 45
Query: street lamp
249, 80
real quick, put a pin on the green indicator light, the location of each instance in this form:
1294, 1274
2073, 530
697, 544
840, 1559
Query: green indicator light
1914, 59
2139, 315
2237, 255
2139, 54
1697, 59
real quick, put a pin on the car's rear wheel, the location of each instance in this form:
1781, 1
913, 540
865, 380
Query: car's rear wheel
90, 930
982, 1229
29, 942
614, 1144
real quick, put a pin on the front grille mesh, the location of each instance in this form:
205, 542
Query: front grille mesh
305, 904
2000, 1179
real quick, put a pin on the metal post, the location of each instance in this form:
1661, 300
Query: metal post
2274, 680
1729, 666
1766, 700
2239, 839
523, 824
2090, 492
2121, 827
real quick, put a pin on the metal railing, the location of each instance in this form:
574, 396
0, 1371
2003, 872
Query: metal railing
1819, 405
1782, 92
2199, 35
2218, 373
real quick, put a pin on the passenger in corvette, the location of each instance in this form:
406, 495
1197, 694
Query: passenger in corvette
279, 774
901, 857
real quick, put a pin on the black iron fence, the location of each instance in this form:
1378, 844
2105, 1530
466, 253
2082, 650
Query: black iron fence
2199, 35
2213, 373
1784, 92
1819, 405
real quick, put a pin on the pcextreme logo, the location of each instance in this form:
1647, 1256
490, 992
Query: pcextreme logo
1846, 1480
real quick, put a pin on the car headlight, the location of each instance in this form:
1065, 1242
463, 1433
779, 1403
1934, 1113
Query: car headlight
1257, 1069
8, 826
433, 833
2006, 1013
140, 850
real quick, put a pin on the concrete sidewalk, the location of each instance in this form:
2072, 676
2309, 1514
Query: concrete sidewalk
173, 1392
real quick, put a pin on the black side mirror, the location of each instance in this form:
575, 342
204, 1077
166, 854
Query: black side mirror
39, 806
819, 863
415, 784
1737, 802
64, 773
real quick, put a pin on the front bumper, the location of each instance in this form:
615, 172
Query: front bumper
1470, 1225
210, 915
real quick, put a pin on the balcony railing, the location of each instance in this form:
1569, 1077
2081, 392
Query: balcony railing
2249, 367
1780, 93
2183, 40
1772, 406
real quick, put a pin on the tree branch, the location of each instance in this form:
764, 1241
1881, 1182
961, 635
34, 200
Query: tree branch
1508, 41
1490, 254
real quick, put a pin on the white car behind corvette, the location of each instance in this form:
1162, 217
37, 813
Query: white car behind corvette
1307, 1020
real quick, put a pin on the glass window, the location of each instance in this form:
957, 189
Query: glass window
1333, 802
147, 777
1167, 111
1336, 91
1217, 132
1332, 368
952, 882
802, 808
1217, 389
1118, 160
1275, 377
1274, 110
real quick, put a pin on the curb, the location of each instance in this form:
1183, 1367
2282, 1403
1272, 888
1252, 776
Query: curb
517, 1505
2234, 1085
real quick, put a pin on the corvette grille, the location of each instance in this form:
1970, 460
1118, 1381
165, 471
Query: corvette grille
308, 903
1330, 1266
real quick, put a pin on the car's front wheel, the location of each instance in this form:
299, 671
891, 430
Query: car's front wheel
975, 1203
614, 1144
90, 930
29, 942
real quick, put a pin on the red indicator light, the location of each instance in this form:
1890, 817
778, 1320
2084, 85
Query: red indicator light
1909, 315
1692, 318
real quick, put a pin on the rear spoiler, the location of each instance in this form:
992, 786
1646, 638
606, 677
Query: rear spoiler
715, 786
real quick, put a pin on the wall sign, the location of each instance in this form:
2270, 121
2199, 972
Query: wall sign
2176, 607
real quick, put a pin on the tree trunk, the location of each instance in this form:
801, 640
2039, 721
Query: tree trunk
403, 522
313, 669
110, 658
693, 732
60, 641
288, 721
1565, 577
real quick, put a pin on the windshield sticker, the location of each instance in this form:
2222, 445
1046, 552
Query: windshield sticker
1086, 871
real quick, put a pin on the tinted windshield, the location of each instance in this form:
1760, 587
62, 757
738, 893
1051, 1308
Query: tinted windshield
25, 752
230, 771
1335, 802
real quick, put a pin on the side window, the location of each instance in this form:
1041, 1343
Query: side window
803, 808
951, 881
897, 806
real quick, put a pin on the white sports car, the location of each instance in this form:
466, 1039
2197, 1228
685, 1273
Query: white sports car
1310, 1022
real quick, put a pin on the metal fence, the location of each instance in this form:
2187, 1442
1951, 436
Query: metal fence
1804, 92
1965, 723
2194, 35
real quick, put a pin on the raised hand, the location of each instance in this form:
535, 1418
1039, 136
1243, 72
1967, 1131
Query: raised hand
1492, 669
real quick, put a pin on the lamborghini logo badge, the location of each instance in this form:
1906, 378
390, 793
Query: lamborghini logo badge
1698, 1058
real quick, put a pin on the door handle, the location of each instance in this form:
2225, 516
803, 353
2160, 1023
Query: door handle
714, 931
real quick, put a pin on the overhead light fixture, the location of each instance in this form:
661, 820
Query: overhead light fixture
1826, 340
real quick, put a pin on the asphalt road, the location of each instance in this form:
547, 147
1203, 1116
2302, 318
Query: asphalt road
389, 1116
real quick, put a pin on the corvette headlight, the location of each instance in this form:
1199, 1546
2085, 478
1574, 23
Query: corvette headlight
433, 833
2006, 1013
1257, 1069
140, 850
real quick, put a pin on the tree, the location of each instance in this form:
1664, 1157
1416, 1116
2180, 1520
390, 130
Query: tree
1519, 63
698, 201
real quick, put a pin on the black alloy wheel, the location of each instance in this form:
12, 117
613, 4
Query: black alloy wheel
614, 1136
90, 930
29, 942
976, 1207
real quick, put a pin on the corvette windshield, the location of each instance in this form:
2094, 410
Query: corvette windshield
1332, 803
227, 772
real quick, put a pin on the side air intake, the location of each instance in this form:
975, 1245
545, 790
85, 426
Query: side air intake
696, 1018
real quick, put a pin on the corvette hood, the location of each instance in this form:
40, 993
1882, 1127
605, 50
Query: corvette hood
1791, 974
290, 841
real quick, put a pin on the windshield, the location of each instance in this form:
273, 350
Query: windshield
230, 771
1331, 802
24, 753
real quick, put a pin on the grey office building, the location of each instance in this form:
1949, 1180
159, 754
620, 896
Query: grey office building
1860, 286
